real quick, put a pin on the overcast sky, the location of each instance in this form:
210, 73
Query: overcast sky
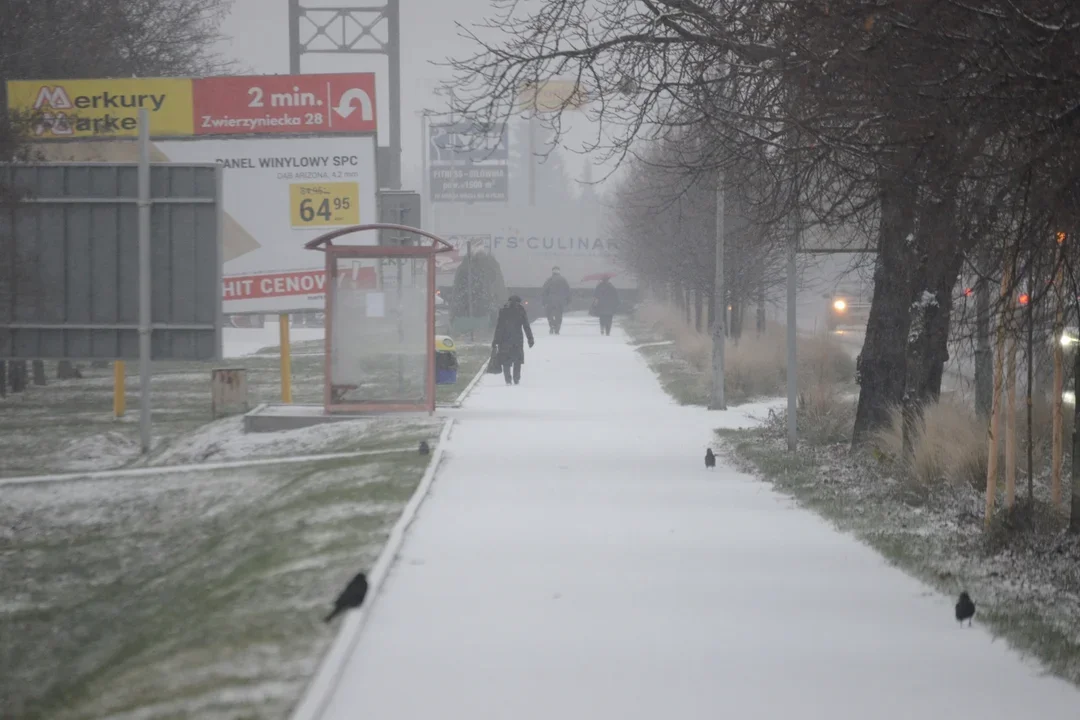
259, 35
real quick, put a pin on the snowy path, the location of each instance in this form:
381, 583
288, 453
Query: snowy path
575, 560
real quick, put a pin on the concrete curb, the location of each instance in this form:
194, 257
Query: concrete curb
317, 694
146, 471
472, 384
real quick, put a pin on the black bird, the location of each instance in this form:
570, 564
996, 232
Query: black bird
424, 449
351, 597
710, 459
965, 609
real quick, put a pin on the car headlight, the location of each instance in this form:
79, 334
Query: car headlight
1067, 340
839, 305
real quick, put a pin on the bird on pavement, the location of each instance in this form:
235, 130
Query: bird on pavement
710, 459
424, 449
965, 609
351, 597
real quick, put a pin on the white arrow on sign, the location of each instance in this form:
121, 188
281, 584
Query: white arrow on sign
345, 106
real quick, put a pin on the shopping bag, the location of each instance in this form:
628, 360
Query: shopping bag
494, 366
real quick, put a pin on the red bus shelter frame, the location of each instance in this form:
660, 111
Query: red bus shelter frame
325, 243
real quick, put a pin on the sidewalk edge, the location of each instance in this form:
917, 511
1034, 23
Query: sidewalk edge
324, 682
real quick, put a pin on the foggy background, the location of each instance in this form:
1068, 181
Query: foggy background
259, 44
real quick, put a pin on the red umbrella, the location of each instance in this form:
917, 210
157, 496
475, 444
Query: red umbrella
597, 277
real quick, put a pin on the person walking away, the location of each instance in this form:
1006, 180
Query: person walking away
555, 295
606, 303
511, 330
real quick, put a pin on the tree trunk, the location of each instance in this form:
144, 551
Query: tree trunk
984, 361
698, 310
939, 275
711, 307
1074, 506
1058, 441
761, 319
736, 319
881, 364
39, 373
3, 378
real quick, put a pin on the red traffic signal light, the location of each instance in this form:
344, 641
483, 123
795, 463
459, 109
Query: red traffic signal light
1024, 298
968, 292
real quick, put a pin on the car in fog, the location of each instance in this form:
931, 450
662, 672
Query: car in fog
846, 310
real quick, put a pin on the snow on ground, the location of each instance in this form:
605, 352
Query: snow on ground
576, 560
194, 595
226, 440
241, 342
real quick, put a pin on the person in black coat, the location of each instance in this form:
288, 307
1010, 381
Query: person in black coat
606, 304
555, 296
511, 329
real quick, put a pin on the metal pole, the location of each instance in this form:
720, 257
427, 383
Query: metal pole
425, 179
294, 37
792, 359
468, 284
145, 317
718, 401
393, 54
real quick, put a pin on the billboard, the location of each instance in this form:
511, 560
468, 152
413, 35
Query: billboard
466, 142
75, 109
298, 153
468, 163
340, 103
473, 183
285, 104
279, 194
71, 288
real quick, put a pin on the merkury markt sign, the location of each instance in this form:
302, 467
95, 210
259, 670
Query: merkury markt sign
185, 107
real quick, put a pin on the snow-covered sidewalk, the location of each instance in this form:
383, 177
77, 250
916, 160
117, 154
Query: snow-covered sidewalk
575, 560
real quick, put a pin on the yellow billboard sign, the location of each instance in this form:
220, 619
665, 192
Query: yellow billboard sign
67, 109
552, 96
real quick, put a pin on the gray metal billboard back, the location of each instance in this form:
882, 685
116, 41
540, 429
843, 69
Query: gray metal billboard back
69, 262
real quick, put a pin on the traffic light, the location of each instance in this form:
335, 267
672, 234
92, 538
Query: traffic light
1061, 236
1024, 298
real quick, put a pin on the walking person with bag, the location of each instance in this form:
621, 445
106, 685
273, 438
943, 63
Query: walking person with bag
605, 304
511, 330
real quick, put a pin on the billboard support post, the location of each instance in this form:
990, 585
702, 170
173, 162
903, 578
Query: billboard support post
145, 317
119, 396
367, 17
286, 358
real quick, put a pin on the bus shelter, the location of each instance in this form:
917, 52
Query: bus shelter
380, 321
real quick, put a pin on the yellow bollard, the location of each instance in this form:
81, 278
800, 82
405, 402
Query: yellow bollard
119, 400
286, 360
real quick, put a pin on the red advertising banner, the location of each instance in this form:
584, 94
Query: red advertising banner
285, 104
300, 282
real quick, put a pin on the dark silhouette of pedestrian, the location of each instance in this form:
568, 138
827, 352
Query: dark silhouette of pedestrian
605, 304
511, 330
555, 296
